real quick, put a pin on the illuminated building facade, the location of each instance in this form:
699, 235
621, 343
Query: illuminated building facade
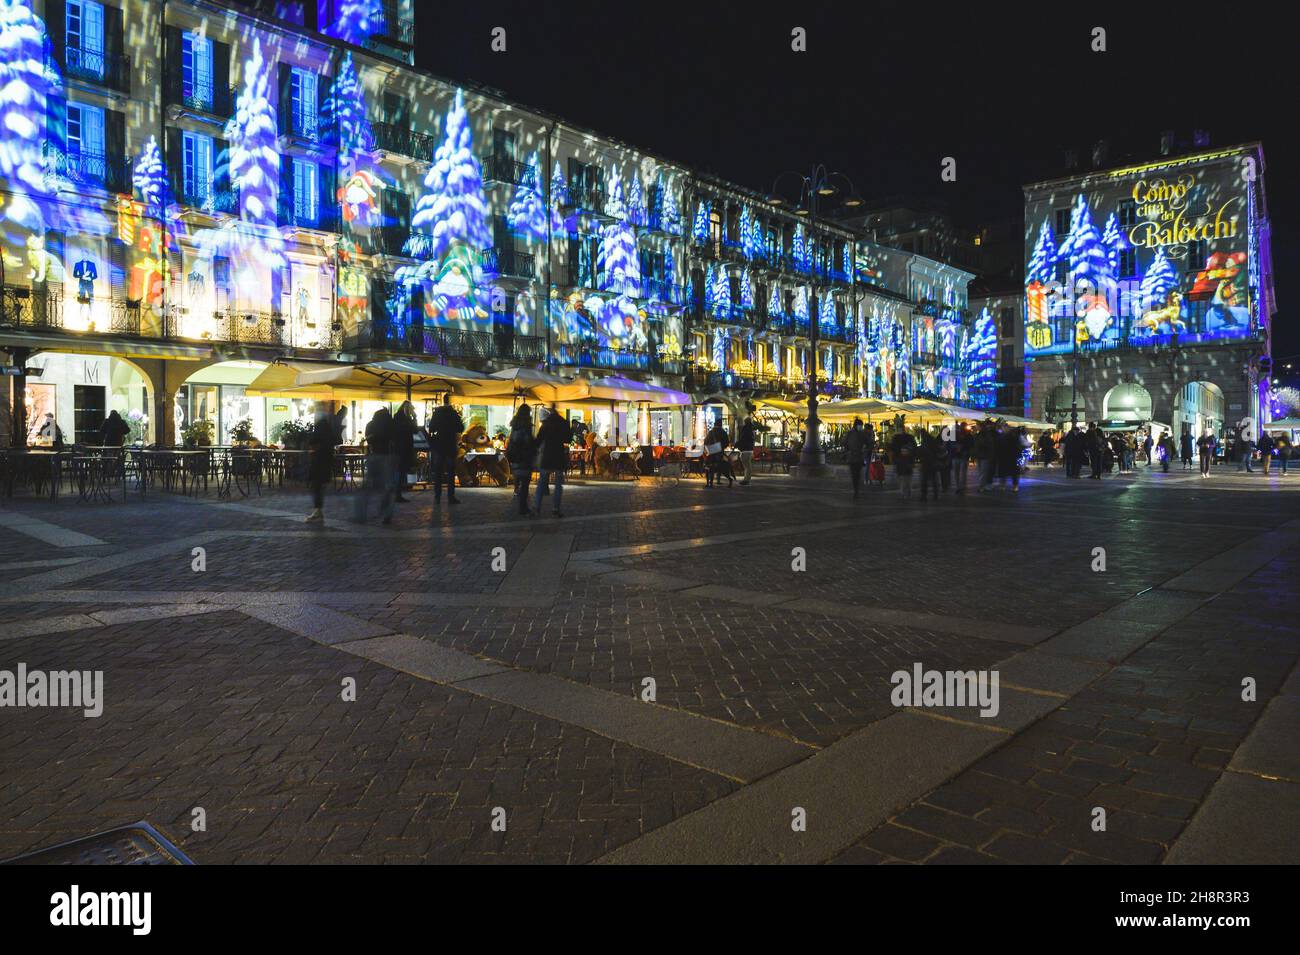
195, 189
1155, 282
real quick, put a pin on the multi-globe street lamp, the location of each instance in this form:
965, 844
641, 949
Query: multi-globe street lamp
818, 185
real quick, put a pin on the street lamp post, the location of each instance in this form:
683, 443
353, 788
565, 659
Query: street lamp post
812, 461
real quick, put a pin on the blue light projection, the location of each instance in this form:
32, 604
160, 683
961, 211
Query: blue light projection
527, 213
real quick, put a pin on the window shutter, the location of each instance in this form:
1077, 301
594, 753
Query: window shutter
115, 158
56, 24
117, 270
286, 98
221, 103
171, 69
56, 123
221, 169
115, 70
175, 165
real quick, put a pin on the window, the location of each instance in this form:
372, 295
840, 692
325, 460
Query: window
86, 161
1196, 253
196, 69
1128, 258
303, 102
306, 191
1127, 213
1008, 322
85, 38
1062, 222
196, 161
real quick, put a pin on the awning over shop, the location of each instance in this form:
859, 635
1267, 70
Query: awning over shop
628, 389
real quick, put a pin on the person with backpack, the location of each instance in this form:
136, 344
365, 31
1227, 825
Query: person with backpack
521, 450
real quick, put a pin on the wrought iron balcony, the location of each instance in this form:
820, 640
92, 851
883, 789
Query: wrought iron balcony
509, 263
212, 99
444, 344
736, 381
41, 307
112, 173
299, 215
110, 70
587, 197
303, 123
212, 201
661, 290
393, 138
390, 28
505, 169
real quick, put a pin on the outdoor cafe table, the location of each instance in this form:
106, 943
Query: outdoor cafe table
477, 462
623, 461
349, 469
164, 461
39, 465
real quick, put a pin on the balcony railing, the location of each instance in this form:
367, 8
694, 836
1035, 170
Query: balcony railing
391, 28
258, 327
661, 290
212, 201
42, 307
509, 263
587, 197
504, 169
302, 123
736, 381
300, 215
445, 344
214, 100
405, 142
112, 173
110, 70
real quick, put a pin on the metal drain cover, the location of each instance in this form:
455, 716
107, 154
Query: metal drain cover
136, 844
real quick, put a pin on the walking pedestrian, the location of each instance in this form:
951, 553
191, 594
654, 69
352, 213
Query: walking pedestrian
521, 451
1185, 448
959, 458
745, 445
404, 428
1282, 444
445, 428
380, 474
928, 454
553, 438
1265, 446
340, 424
1072, 444
1046, 449
1094, 449
1245, 449
1167, 451
716, 464
985, 452
320, 469
854, 449
1205, 445
1147, 444
903, 450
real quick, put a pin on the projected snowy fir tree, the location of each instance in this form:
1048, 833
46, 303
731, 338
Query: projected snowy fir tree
452, 214
700, 229
828, 311
355, 21
722, 293
1042, 262
1157, 282
774, 304
670, 216
1112, 239
799, 251
252, 242
620, 266
747, 234
30, 85
149, 180
746, 289
801, 306
349, 131
636, 202
1090, 276
527, 213
980, 361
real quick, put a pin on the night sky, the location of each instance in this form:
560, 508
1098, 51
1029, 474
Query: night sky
886, 90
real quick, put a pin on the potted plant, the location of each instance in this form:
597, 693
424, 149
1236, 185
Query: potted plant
292, 433
241, 434
138, 422
198, 434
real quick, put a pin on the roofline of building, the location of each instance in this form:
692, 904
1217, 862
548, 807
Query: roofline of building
1165, 163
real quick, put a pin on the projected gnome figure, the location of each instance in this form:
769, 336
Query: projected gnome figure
351, 133
252, 242
454, 212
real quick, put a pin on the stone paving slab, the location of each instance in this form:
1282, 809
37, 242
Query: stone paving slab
420, 658
1246, 820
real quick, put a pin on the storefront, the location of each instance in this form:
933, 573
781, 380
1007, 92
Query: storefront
218, 394
81, 391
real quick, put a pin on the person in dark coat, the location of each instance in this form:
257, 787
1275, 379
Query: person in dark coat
521, 449
1095, 446
1206, 444
404, 428
553, 437
320, 467
855, 443
903, 450
1185, 448
445, 428
380, 475
340, 422
745, 445
933, 457
717, 466
114, 431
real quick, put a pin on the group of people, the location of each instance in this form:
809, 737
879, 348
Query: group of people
942, 455
1102, 452
390, 457
546, 452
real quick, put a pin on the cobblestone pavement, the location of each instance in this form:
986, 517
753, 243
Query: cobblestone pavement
655, 677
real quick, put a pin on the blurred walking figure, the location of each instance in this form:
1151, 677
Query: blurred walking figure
1073, 447
380, 473
1046, 449
985, 454
1265, 445
854, 451
903, 449
320, 469
1245, 449
1167, 451
932, 459
521, 450
1095, 445
959, 458
445, 428
1206, 445
745, 445
717, 466
404, 428
553, 437
1147, 444
1185, 449
1282, 444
